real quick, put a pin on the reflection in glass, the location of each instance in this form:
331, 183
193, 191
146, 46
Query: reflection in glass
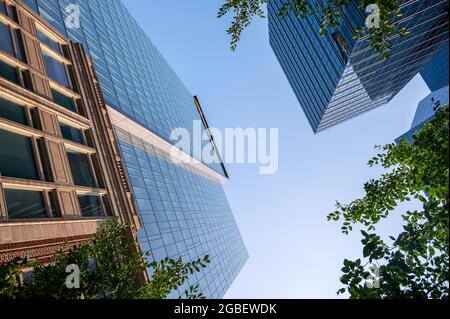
25, 204
17, 156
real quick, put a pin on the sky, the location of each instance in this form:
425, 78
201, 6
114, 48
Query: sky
294, 252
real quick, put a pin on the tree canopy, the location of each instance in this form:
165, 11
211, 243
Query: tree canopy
329, 14
414, 263
107, 270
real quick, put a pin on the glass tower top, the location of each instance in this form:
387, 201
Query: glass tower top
336, 77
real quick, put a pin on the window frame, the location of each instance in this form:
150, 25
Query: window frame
18, 47
45, 193
70, 149
37, 154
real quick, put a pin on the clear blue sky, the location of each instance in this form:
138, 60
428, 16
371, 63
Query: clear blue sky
294, 251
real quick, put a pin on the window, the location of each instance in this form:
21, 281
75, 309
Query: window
18, 45
11, 41
23, 204
91, 206
63, 100
81, 169
49, 42
56, 71
17, 156
9, 72
11, 12
13, 112
72, 134
5, 39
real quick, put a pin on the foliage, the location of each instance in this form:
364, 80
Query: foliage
416, 262
328, 12
108, 270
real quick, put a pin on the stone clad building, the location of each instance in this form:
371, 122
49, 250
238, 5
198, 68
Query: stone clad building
61, 172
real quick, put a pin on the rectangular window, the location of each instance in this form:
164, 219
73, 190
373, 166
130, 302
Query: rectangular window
56, 71
9, 72
64, 100
23, 204
81, 169
91, 206
13, 112
72, 134
17, 156
11, 41
18, 45
5, 39
11, 12
49, 42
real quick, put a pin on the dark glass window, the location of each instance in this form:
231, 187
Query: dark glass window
52, 199
64, 101
56, 71
72, 134
81, 169
11, 12
91, 206
17, 156
18, 43
5, 39
11, 41
9, 72
2, 8
49, 42
13, 112
25, 204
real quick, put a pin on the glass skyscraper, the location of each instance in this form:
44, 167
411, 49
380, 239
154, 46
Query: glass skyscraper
435, 72
425, 112
183, 207
336, 77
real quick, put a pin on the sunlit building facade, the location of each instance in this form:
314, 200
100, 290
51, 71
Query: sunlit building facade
183, 208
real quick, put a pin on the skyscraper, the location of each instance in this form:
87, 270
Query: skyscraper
425, 112
435, 72
183, 207
336, 77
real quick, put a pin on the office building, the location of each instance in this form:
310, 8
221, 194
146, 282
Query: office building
337, 77
183, 207
60, 175
435, 72
425, 112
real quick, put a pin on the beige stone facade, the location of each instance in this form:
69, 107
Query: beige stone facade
53, 120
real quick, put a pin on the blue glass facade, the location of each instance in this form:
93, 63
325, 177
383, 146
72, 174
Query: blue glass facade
184, 211
336, 77
435, 72
425, 112
135, 78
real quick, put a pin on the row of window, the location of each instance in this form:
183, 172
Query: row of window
11, 42
20, 155
25, 204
